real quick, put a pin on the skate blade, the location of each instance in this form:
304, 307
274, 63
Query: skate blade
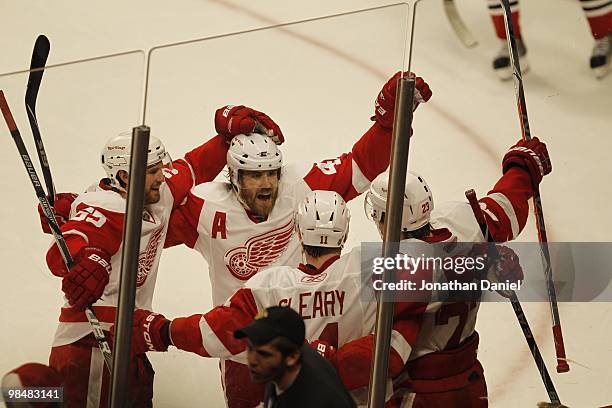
602, 71
505, 74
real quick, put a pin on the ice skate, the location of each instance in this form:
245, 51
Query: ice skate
600, 58
501, 63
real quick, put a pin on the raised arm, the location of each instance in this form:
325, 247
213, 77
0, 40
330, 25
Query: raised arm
350, 174
506, 206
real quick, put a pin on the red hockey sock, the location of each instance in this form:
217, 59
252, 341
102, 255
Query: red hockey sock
500, 27
601, 26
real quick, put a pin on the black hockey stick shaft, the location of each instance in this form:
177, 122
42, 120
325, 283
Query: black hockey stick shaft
48, 211
516, 304
562, 365
37, 69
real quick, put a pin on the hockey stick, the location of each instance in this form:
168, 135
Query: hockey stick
460, 28
37, 67
48, 211
516, 304
562, 365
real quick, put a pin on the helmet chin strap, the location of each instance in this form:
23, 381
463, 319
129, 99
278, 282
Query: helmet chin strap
116, 185
236, 190
304, 260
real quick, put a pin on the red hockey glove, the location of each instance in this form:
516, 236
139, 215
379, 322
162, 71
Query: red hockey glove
325, 349
235, 120
384, 105
85, 283
151, 332
507, 268
61, 209
532, 156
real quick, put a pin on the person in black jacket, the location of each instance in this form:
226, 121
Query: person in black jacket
295, 375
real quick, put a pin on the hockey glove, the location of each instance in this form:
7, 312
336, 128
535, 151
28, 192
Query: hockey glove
61, 209
151, 332
235, 120
325, 349
85, 283
506, 268
384, 106
532, 156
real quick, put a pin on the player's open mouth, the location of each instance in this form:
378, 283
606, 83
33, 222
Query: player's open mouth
264, 197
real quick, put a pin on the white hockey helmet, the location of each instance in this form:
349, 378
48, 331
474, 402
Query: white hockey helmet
253, 152
322, 219
418, 201
117, 151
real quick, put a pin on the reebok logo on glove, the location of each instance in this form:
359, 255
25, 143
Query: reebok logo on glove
533, 155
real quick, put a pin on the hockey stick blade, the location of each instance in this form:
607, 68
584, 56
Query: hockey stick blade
50, 216
562, 365
463, 33
37, 66
516, 304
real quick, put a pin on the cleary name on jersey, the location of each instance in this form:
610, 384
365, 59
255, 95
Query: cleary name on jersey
97, 219
236, 246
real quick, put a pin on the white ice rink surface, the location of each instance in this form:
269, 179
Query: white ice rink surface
318, 81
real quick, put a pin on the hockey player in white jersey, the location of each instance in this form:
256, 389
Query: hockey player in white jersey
442, 369
93, 235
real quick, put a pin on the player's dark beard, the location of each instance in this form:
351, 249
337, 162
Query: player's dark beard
152, 196
262, 209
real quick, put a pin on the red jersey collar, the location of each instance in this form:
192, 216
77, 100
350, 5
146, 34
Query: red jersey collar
254, 217
438, 235
311, 270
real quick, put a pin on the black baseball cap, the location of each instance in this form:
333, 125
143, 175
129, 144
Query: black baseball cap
273, 322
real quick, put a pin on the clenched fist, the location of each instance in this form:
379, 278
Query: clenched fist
506, 268
85, 282
61, 209
233, 120
384, 106
325, 349
151, 332
532, 156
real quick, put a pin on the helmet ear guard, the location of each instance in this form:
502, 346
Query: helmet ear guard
418, 201
322, 220
116, 155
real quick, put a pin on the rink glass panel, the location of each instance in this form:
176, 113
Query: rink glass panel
80, 105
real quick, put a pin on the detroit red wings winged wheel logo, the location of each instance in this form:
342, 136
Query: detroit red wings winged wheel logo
258, 252
147, 257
